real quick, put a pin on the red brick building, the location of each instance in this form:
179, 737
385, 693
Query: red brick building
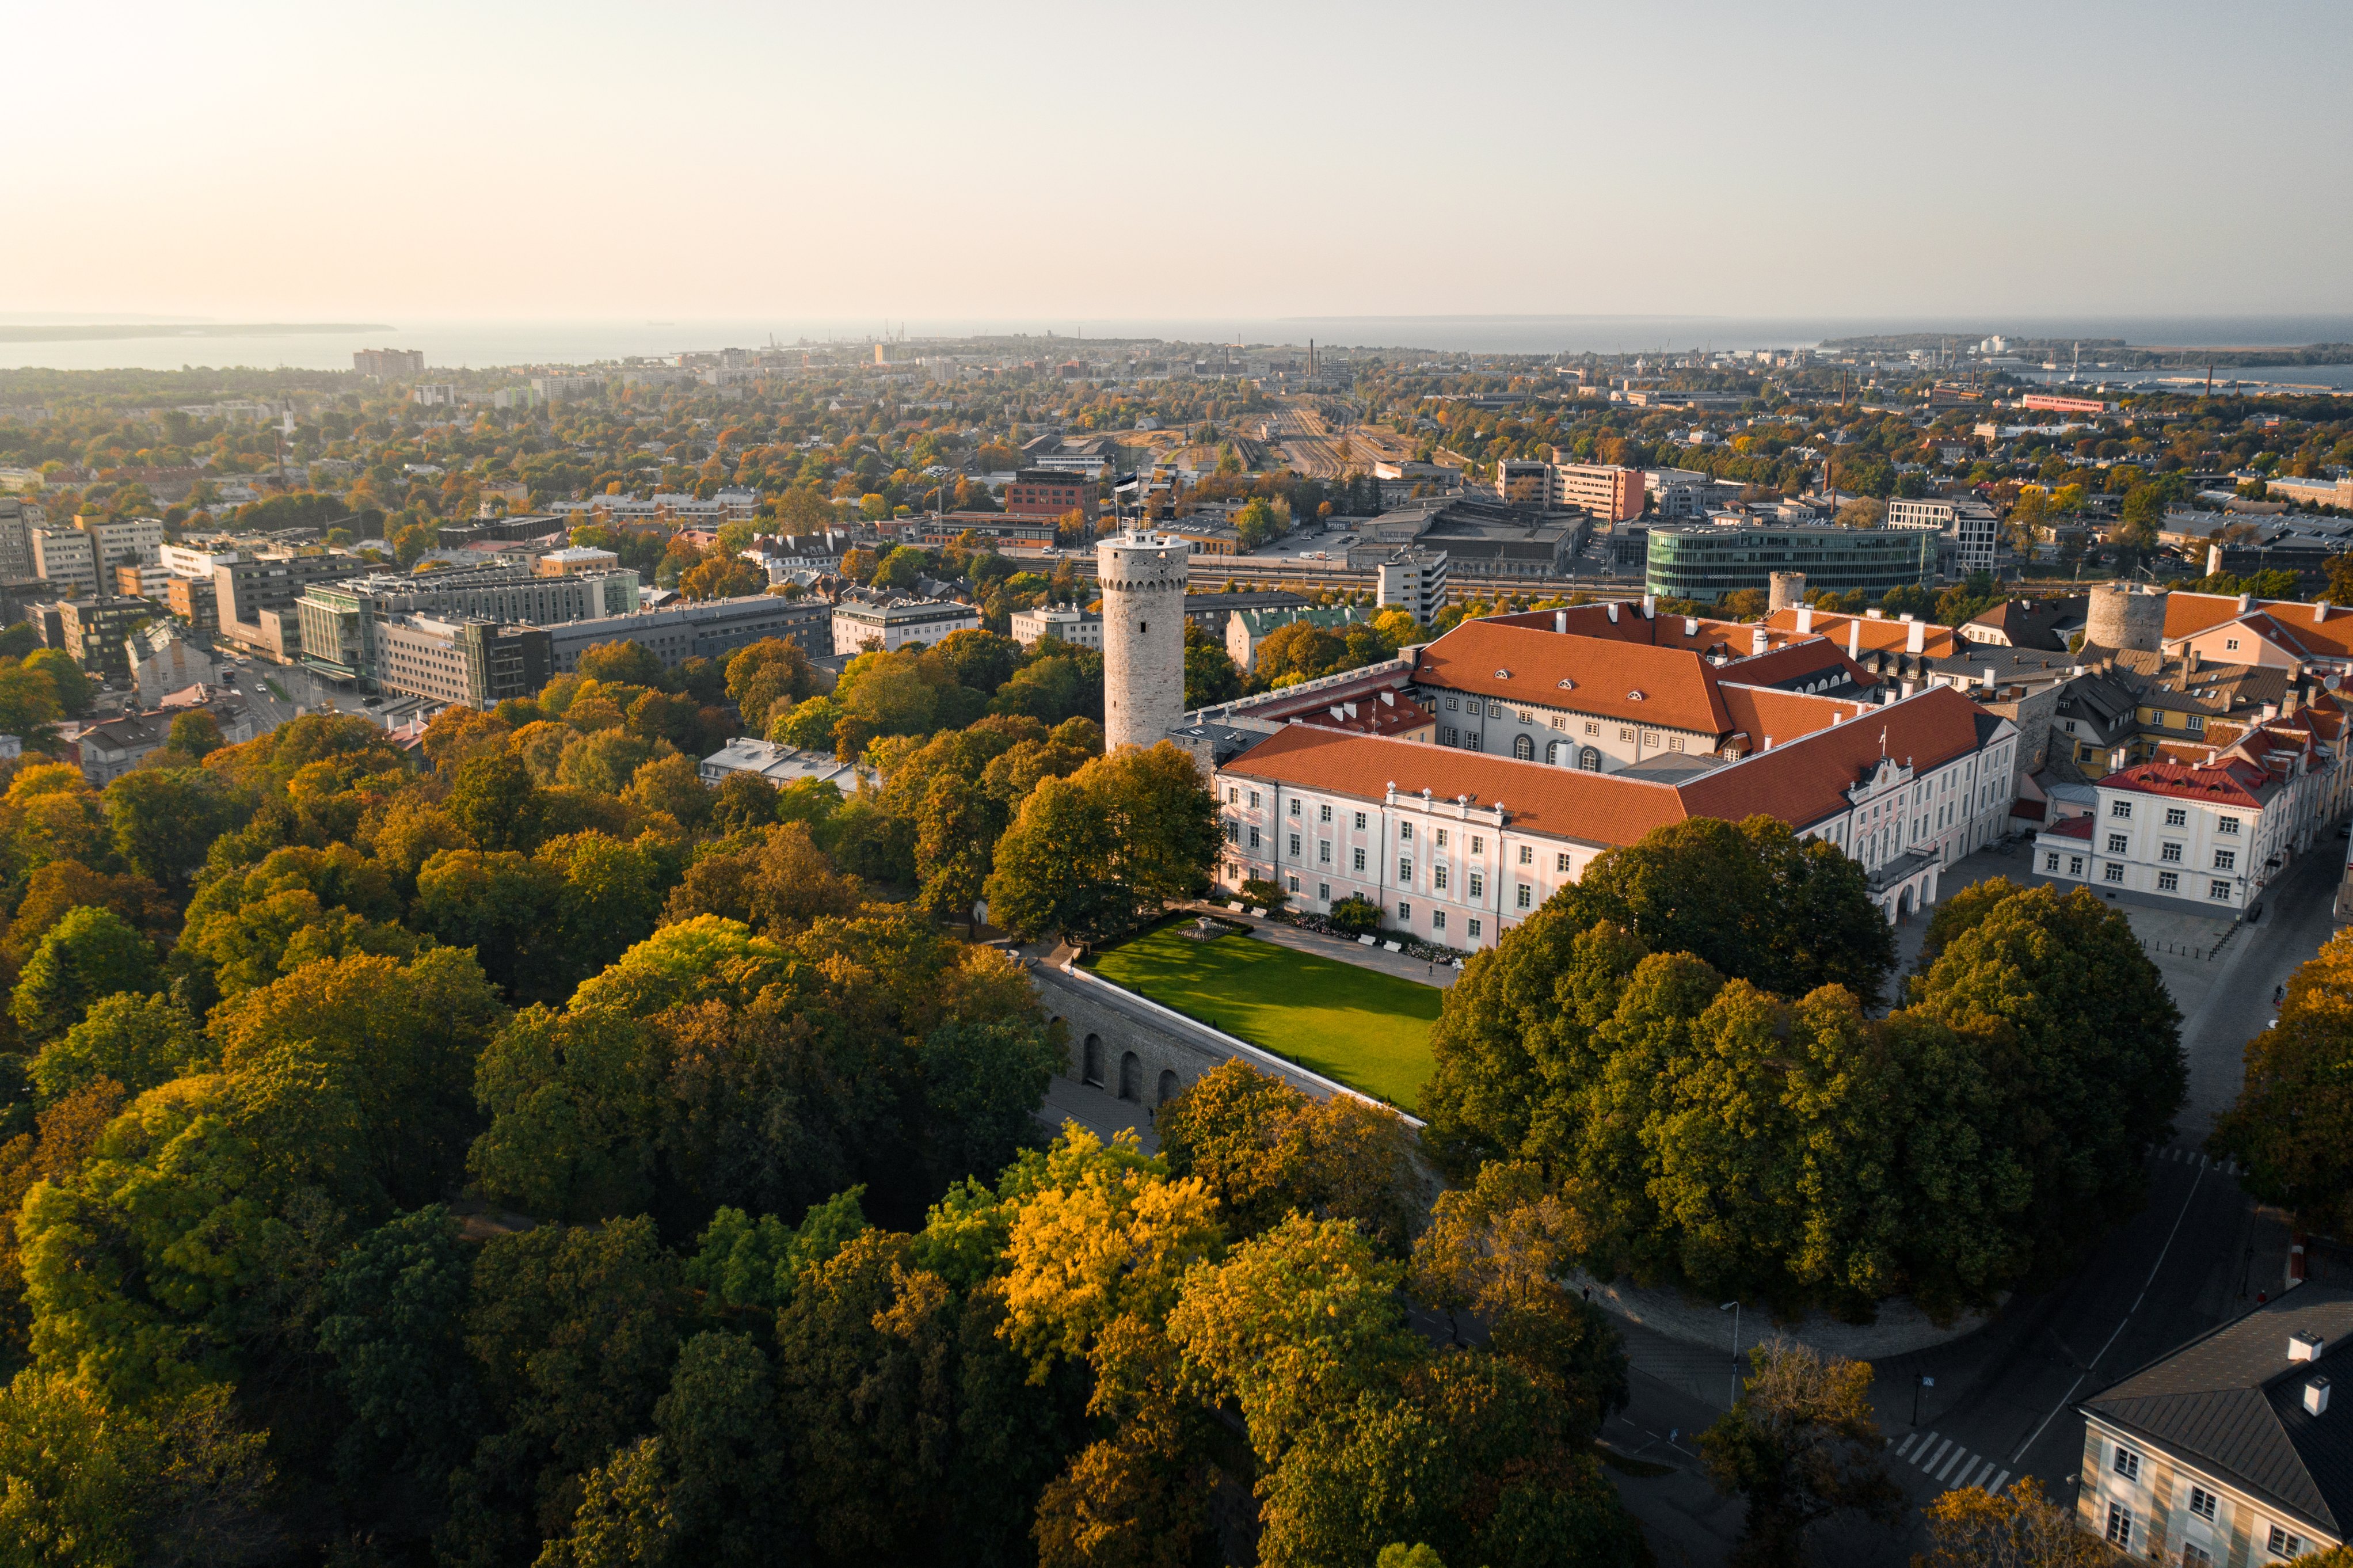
1043, 492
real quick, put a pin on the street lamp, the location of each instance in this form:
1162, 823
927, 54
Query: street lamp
1919, 1382
1734, 1308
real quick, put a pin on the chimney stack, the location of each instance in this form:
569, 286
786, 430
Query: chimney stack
1915, 635
1805, 619
1854, 639
1757, 640
1560, 619
2316, 1397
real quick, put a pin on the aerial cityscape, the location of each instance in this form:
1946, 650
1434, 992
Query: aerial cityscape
1599, 819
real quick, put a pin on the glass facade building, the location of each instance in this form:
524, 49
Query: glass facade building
1707, 561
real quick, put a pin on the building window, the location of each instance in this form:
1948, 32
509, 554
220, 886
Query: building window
1324, 813
2169, 853
2120, 1526
2126, 1463
1233, 833
1405, 870
1674, 743
1552, 754
1589, 760
1478, 885
2226, 860
1591, 727
1323, 893
2202, 1503
2114, 872
1523, 749
2227, 825
1360, 859
1449, 735
2230, 644
2074, 865
1478, 844
1650, 737
1452, 703
1470, 740
2218, 889
1474, 931
2283, 1544
1253, 842
1253, 800
1295, 805
1324, 851
2116, 842
1292, 883
2176, 816
1442, 838
1559, 720
2169, 881
1405, 914
1437, 919
1526, 897
1294, 846
1361, 821
1405, 830
1560, 863
1438, 876
1625, 736
2120, 808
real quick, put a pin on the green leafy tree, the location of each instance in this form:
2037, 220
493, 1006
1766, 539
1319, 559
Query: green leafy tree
89, 954
136, 1040
574, 1123
72, 688
497, 804
1210, 677
2292, 1128
394, 1308
165, 819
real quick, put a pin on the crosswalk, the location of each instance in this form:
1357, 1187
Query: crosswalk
1949, 1465
2178, 1155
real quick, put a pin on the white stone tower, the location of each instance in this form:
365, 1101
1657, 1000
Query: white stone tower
1142, 576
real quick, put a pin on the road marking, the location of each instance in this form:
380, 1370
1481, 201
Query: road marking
2187, 1199
1929, 1463
1949, 1465
1978, 1475
1906, 1446
1999, 1481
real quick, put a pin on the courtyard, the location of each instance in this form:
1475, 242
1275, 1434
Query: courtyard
1359, 1026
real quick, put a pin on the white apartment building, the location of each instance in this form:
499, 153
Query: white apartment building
66, 558
2214, 834
1078, 627
1455, 848
2231, 1450
193, 561
1971, 524
893, 626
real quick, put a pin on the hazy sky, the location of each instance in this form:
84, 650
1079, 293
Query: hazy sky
684, 159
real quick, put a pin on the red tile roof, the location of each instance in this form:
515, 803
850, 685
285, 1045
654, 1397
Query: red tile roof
2301, 628
2069, 828
2237, 782
1594, 808
1800, 781
1884, 635
1371, 716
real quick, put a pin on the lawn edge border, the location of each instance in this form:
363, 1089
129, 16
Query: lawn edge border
1257, 1055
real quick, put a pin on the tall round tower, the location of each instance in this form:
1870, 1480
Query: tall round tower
1786, 589
1142, 576
2124, 615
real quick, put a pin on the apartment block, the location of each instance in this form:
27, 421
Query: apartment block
1972, 525
470, 662
339, 620
703, 629
66, 558
1609, 492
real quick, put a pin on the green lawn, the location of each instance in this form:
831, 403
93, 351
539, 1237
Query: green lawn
1368, 1029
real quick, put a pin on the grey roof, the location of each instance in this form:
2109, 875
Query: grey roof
2230, 1403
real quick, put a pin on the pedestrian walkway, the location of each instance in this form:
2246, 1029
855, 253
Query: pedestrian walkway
2179, 1155
1403, 966
1950, 1467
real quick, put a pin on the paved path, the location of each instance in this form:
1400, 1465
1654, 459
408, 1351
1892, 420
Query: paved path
1340, 948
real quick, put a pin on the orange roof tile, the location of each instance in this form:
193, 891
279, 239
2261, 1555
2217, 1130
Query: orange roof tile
2237, 782
1804, 781
1671, 688
1886, 635
1593, 808
2305, 629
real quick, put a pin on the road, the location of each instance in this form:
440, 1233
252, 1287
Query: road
2002, 1402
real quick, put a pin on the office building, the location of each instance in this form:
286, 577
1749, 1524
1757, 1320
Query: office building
1706, 560
574, 560
1045, 493
95, 632
1413, 581
698, 629
16, 524
1520, 482
469, 661
339, 620
254, 599
1609, 493
194, 601
1972, 525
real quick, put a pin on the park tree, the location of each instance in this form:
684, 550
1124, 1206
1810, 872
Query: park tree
1800, 1446
165, 819
496, 803
2018, 1528
2292, 1129
1210, 676
88, 955
392, 1322
73, 689
131, 1039
623, 662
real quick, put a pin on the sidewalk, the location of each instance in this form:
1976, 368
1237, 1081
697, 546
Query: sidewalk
1337, 947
